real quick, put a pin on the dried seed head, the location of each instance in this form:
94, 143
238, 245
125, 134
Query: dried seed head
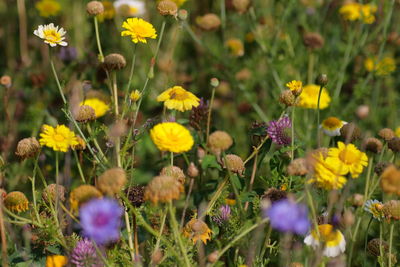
390, 180
219, 141
386, 134
373, 145
273, 195
81, 144
362, 112
6, 81
85, 113
350, 132
213, 257
347, 219
114, 62
94, 8
83, 194
157, 256
373, 247
394, 144
391, 209
52, 191
112, 181
298, 167
313, 154
192, 170
287, 98
313, 40
196, 230
163, 189
357, 200
27, 148
234, 164
167, 7
208, 22
241, 6
135, 195
16, 202
175, 172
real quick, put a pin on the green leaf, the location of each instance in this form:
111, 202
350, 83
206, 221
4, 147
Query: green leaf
210, 161
235, 181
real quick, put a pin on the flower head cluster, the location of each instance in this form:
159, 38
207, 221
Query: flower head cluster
60, 138
279, 131
51, 34
85, 254
331, 239
332, 125
48, 8
355, 11
382, 67
172, 137
223, 215
138, 29
197, 230
374, 207
309, 97
99, 106
178, 98
101, 220
288, 216
295, 86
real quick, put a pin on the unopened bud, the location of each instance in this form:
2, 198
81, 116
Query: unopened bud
322, 79
192, 170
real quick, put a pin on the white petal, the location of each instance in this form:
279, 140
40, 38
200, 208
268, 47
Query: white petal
63, 43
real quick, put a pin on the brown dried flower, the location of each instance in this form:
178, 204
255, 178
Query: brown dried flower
208, 22
112, 181
163, 189
390, 180
175, 172
27, 148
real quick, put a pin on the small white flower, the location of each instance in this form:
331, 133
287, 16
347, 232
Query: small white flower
375, 208
130, 8
332, 240
331, 126
51, 34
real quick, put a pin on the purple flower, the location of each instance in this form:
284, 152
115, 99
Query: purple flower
288, 216
278, 131
223, 216
68, 54
101, 220
85, 254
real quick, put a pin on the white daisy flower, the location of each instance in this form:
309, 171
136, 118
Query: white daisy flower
331, 239
331, 126
51, 34
130, 8
375, 208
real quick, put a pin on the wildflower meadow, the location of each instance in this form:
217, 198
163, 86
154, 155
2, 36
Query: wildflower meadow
200, 133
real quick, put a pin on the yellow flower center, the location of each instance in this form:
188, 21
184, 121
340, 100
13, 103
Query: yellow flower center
59, 138
348, 156
51, 35
178, 94
332, 123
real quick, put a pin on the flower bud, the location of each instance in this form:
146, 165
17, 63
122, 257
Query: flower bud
357, 200
214, 82
163, 189
287, 98
182, 14
94, 8
85, 113
390, 180
208, 22
322, 80
234, 164
157, 256
391, 209
241, 6
313, 40
362, 112
6, 81
386, 134
298, 167
350, 132
219, 141
27, 148
373, 145
273, 195
394, 144
213, 257
175, 172
192, 170
52, 191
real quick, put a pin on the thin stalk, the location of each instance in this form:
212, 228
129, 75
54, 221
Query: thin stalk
187, 201
371, 159
33, 181
96, 144
209, 114
174, 226
353, 240
96, 28
313, 213
172, 159
390, 244
318, 115
253, 175
4, 256
130, 79
116, 110
163, 219
292, 135
57, 183
366, 241
130, 240
57, 80
310, 71
79, 166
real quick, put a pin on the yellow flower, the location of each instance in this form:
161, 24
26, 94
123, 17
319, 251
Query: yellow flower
135, 95
327, 175
397, 131
383, 67
295, 86
235, 46
348, 159
332, 240
51, 34
99, 106
16, 202
331, 126
197, 230
139, 30
178, 98
48, 8
356, 11
172, 137
59, 138
56, 261
109, 11
309, 97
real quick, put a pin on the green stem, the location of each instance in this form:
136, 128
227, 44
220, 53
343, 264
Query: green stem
174, 225
313, 213
79, 167
96, 144
310, 72
209, 114
172, 158
130, 240
96, 28
292, 135
163, 219
371, 159
33, 181
116, 110
130, 79
57, 80
366, 241
318, 115
390, 244
353, 240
